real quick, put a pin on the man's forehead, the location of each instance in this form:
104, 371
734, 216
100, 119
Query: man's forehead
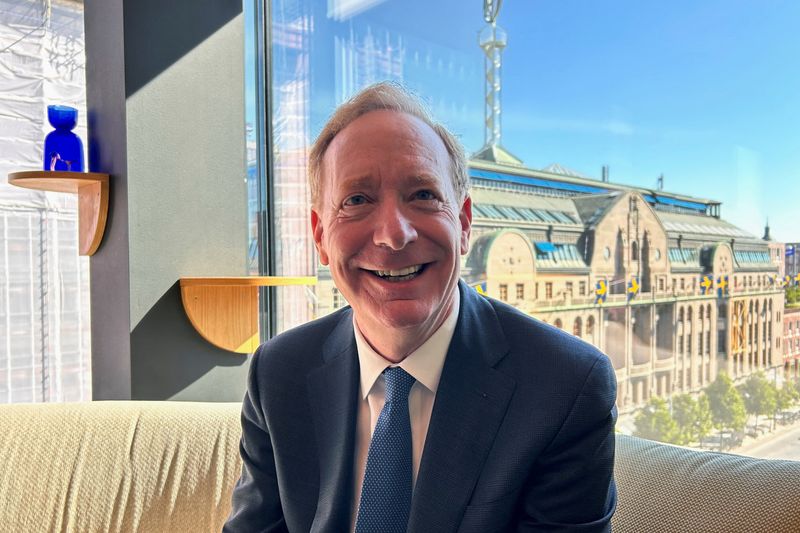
386, 136
367, 129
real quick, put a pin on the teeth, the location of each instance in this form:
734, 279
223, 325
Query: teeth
402, 272
399, 273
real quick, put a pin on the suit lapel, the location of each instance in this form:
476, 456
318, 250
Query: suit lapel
470, 404
333, 392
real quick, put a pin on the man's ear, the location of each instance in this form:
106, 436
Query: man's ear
465, 217
316, 230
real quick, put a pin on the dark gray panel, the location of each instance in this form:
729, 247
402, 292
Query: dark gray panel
158, 33
178, 199
172, 361
107, 147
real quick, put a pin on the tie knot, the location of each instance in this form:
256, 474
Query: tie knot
398, 383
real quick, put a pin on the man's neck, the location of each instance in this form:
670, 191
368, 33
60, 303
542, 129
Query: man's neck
394, 344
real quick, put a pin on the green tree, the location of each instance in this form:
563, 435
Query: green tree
792, 293
684, 411
693, 418
703, 419
725, 402
655, 423
791, 394
760, 396
785, 398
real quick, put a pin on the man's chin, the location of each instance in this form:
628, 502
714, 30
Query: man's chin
407, 315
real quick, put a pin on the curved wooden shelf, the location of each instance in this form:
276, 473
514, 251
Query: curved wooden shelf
92, 191
224, 311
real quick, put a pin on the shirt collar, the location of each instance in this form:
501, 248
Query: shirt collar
424, 364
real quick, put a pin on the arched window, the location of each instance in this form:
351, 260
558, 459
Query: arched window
558, 323
590, 329
701, 325
577, 327
688, 330
634, 251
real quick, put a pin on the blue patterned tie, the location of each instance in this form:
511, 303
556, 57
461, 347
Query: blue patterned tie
386, 492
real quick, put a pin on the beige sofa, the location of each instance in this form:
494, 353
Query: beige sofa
170, 466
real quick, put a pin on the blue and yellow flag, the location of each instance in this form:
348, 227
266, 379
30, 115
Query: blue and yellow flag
707, 284
722, 286
633, 287
480, 287
601, 292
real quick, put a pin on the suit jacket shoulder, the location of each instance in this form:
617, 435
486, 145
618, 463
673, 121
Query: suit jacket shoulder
298, 420
550, 464
301, 347
539, 350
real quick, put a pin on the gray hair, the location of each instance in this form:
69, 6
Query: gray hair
387, 96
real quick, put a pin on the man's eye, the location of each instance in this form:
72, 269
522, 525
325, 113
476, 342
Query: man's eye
424, 195
356, 199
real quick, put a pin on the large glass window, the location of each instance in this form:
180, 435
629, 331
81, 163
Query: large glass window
647, 131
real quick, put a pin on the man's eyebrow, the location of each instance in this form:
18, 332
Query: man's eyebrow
357, 182
424, 179
366, 181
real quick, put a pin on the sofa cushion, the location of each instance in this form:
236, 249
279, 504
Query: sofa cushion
666, 488
171, 466
118, 466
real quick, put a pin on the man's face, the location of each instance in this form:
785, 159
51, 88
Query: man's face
389, 222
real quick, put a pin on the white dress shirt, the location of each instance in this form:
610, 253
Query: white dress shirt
425, 365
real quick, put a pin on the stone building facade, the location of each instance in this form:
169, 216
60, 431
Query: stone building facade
792, 259
545, 241
686, 294
791, 342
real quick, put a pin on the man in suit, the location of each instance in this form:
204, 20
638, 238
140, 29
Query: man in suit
424, 406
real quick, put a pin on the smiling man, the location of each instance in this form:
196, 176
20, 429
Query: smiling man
422, 407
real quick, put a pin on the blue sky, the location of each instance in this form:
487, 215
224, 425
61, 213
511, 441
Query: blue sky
707, 93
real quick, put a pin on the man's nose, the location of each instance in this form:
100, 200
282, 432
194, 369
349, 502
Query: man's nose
393, 228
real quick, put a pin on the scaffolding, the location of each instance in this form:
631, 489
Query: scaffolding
44, 284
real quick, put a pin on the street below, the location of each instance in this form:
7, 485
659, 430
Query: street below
784, 443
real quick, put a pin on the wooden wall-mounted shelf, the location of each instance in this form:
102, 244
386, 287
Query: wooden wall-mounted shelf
225, 310
92, 191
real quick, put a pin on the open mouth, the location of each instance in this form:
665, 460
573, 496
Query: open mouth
403, 274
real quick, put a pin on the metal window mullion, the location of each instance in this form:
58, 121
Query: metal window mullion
264, 144
31, 262
8, 309
86, 356
57, 361
44, 298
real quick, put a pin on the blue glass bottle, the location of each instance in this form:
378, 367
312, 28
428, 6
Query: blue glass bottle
63, 149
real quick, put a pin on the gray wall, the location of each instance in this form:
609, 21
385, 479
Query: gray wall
165, 99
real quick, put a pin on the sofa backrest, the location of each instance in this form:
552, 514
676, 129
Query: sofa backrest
170, 466
117, 466
666, 488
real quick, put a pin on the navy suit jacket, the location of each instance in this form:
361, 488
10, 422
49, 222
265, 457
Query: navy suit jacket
521, 436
